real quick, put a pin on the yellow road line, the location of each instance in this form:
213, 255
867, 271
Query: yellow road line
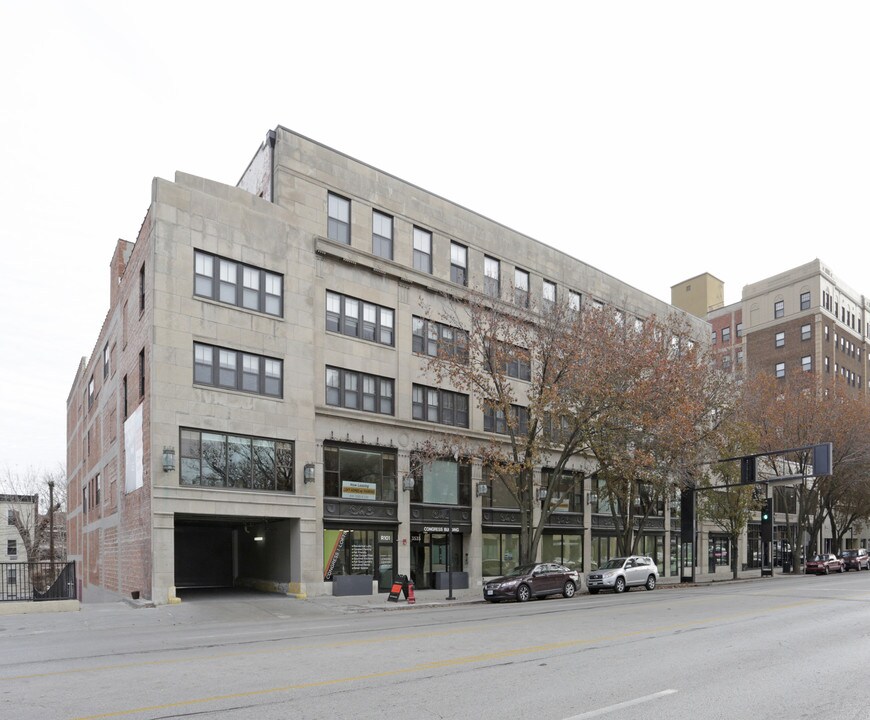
441, 664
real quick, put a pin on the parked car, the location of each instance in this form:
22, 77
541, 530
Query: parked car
623, 573
532, 581
857, 559
825, 563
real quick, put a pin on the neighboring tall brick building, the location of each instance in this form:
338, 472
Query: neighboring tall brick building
249, 410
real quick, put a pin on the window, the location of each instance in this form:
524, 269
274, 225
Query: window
726, 334
739, 329
439, 406
237, 370
458, 264
518, 363
740, 356
359, 473
338, 222
359, 391
521, 288
124, 397
12, 576
382, 235
780, 339
349, 316
573, 300
780, 370
495, 421
805, 301
807, 363
499, 492
422, 250
434, 339
236, 461
491, 282
12, 547
568, 493
10, 516
97, 489
142, 373
91, 391
238, 284
778, 309
806, 332
827, 364
713, 337
442, 482
141, 289
549, 293
106, 361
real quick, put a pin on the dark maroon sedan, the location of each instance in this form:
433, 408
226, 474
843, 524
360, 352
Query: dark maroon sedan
857, 559
825, 563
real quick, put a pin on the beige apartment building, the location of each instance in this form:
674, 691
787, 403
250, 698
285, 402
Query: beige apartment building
252, 402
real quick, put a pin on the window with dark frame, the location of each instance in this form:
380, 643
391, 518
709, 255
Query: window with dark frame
338, 218
806, 332
244, 462
739, 329
494, 420
433, 338
124, 397
12, 547
491, 277
439, 406
574, 300
91, 391
779, 340
780, 370
142, 289
521, 288
359, 472
807, 363
359, 391
442, 481
382, 235
234, 283
359, 319
237, 370
779, 309
422, 250
805, 301
726, 334
549, 293
458, 264
142, 373
106, 361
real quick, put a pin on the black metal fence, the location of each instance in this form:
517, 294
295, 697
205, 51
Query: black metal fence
37, 581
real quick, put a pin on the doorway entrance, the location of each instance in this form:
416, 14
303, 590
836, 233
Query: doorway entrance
429, 555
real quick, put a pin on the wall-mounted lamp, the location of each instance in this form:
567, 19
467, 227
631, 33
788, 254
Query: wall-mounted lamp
542, 493
168, 458
408, 482
308, 473
259, 538
482, 489
591, 498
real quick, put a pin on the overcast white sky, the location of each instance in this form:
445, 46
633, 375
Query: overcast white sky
652, 140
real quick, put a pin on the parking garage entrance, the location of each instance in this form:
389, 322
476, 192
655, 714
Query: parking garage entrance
230, 552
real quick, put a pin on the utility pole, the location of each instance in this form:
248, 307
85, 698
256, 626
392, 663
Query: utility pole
51, 525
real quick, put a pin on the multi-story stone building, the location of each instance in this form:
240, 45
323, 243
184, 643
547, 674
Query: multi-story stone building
258, 386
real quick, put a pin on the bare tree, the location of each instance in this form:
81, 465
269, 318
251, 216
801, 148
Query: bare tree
26, 493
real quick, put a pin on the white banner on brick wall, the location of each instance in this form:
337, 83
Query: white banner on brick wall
133, 468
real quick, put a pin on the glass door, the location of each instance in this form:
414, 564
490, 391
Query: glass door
386, 560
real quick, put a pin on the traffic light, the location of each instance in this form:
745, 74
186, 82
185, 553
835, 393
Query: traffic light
747, 470
767, 521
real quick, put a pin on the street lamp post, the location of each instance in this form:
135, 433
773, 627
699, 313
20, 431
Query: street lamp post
51, 524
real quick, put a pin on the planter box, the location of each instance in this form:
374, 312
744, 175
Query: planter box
442, 582
352, 584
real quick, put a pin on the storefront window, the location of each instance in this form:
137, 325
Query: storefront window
568, 496
359, 552
359, 474
654, 547
499, 495
603, 548
441, 482
501, 553
564, 549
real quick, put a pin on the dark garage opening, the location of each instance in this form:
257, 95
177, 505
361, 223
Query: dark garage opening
222, 552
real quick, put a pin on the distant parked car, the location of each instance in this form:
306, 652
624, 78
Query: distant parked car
525, 582
857, 559
622, 573
825, 563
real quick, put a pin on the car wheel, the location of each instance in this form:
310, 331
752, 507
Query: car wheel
827, 570
569, 589
842, 569
620, 585
651, 583
593, 591
523, 593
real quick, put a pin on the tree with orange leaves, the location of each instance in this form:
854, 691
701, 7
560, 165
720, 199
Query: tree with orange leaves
579, 391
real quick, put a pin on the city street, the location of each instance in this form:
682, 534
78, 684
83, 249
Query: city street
768, 648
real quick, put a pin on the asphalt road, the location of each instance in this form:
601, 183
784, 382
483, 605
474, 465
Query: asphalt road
790, 648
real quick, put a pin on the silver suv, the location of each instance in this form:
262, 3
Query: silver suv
621, 573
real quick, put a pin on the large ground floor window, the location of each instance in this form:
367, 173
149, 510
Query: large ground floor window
432, 553
563, 548
359, 473
654, 547
603, 548
360, 551
501, 553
